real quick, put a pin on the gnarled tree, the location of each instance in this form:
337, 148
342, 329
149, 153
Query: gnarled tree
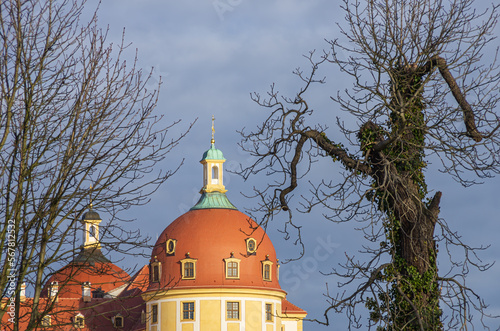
421, 89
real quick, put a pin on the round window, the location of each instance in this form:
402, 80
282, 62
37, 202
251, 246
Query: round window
251, 245
171, 246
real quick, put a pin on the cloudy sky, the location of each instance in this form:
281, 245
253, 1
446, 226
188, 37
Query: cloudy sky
210, 55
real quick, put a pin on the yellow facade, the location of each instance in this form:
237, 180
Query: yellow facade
253, 314
168, 309
210, 309
295, 319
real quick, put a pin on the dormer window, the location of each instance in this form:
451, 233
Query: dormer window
188, 267
156, 273
267, 269
232, 267
118, 321
155, 270
267, 272
98, 293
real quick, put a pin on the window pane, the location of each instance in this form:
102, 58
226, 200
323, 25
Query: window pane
189, 269
154, 314
188, 310
156, 273
267, 272
233, 310
118, 321
269, 312
232, 269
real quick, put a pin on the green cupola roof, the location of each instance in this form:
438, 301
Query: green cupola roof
214, 200
213, 154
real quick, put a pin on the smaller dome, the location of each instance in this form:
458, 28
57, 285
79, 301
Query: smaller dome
213, 154
91, 216
90, 265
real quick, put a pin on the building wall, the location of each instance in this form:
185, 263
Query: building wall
210, 310
292, 324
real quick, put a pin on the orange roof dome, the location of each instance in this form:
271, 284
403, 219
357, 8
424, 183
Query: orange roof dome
89, 266
211, 238
213, 245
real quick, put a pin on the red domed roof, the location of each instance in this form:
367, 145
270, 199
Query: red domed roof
210, 236
89, 266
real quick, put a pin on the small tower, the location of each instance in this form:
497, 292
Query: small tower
90, 221
212, 168
213, 192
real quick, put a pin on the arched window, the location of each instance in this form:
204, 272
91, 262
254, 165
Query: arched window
215, 174
232, 267
188, 268
92, 232
155, 270
267, 274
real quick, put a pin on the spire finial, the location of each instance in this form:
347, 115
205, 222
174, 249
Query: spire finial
213, 130
90, 203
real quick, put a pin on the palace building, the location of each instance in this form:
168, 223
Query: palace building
213, 268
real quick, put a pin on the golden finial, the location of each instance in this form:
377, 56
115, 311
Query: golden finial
90, 204
213, 130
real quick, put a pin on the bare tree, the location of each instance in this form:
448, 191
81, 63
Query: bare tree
421, 90
73, 114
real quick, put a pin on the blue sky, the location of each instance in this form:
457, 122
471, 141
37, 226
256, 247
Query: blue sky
210, 56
